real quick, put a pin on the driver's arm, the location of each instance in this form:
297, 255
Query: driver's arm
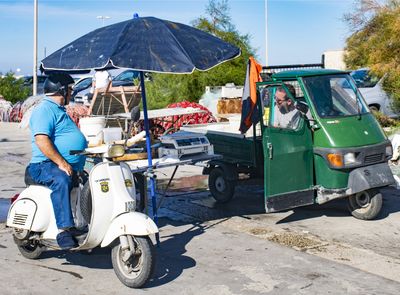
47, 148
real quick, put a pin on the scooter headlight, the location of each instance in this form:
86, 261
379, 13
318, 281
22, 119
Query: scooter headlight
116, 150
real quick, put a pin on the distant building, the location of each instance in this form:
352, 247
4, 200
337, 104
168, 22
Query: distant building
334, 59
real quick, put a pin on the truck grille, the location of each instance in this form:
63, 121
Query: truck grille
20, 219
373, 158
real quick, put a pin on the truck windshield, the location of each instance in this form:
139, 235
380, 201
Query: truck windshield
332, 96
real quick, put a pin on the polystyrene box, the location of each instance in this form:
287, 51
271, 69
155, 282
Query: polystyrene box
112, 134
231, 91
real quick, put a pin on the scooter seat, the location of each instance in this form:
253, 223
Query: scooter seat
28, 179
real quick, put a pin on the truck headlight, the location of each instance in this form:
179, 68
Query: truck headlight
389, 151
350, 158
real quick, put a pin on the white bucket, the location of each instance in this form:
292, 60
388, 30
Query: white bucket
112, 134
92, 128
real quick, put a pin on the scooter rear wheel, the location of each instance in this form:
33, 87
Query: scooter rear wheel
29, 249
136, 271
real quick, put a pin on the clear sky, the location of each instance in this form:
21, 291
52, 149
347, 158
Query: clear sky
299, 31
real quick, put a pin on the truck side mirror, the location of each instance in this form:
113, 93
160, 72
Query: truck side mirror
302, 107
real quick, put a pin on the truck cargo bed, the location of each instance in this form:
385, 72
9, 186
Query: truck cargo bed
236, 148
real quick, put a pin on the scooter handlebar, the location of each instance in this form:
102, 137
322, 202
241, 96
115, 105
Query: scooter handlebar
77, 152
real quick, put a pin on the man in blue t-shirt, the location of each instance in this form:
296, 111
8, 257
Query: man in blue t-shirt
54, 135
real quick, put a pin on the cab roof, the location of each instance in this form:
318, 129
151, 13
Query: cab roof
305, 73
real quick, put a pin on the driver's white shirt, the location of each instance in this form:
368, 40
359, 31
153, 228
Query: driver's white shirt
289, 120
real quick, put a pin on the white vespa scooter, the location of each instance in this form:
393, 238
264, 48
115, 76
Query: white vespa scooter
108, 210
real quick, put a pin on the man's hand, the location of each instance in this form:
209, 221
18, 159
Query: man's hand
47, 148
66, 168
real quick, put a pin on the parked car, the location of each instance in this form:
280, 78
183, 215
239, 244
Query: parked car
370, 87
28, 82
81, 91
81, 88
125, 78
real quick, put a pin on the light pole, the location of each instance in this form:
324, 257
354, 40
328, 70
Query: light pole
35, 39
266, 32
103, 17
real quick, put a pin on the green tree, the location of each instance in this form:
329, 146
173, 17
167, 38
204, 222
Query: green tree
167, 88
375, 42
12, 89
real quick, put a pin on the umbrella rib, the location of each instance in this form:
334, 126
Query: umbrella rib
117, 43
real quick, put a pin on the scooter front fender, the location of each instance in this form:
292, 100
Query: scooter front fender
131, 223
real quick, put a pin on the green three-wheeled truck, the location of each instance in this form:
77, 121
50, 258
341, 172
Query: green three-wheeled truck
330, 147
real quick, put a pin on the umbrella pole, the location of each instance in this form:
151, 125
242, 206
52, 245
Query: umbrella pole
149, 158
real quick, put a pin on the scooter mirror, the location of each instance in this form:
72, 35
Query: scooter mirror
135, 117
135, 114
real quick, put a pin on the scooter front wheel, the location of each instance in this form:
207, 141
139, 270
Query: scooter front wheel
136, 268
30, 249
366, 205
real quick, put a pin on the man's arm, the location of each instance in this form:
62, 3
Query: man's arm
47, 148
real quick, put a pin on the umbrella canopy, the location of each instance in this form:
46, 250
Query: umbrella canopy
144, 44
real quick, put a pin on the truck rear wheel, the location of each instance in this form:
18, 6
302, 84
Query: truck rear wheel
221, 188
366, 205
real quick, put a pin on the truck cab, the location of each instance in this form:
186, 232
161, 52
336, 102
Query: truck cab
331, 147
313, 139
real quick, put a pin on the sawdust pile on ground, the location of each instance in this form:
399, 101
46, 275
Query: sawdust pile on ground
294, 240
259, 231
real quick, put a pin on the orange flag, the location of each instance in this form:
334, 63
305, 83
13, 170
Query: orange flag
249, 99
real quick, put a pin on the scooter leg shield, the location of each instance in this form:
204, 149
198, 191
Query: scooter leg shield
132, 223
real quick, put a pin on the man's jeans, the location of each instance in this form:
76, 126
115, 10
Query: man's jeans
47, 173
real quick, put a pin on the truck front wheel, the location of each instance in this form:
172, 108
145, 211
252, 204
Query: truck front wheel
366, 205
221, 188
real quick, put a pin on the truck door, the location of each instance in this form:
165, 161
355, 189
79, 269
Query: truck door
288, 152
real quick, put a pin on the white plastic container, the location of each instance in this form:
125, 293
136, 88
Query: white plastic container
112, 134
92, 128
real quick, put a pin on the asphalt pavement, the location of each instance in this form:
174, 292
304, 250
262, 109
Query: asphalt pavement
208, 248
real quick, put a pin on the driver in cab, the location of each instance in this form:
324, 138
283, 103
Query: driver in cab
285, 113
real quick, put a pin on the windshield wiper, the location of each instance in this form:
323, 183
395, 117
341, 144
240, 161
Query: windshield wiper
358, 102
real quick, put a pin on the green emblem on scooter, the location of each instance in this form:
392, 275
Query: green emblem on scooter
104, 186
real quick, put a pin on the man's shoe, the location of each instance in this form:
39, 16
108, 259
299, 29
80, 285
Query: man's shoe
78, 231
79, 234
66, 241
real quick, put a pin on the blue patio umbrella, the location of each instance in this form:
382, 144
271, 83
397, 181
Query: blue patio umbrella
145, 44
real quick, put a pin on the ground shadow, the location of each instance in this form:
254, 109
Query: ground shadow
339, 208
171, 258
249, 200
335, 208
201, 206
15, 140
98, 258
